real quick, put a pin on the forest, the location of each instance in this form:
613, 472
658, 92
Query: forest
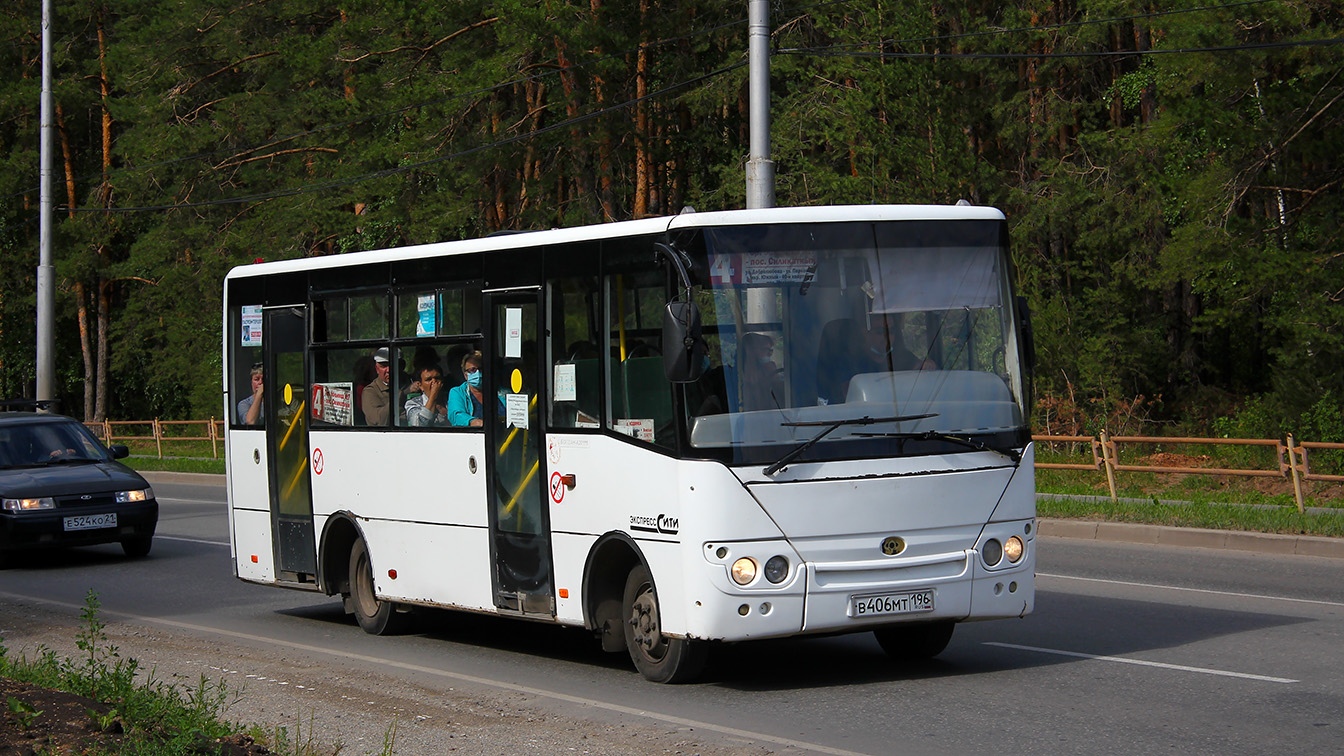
1172, 171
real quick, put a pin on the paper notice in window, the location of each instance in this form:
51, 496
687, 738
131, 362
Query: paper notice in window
513, 332
640, 428
427, 311
566, 390
515, 411
251, 326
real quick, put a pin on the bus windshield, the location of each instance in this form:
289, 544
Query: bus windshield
889, 331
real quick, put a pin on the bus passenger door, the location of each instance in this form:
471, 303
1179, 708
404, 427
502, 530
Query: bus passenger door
519, 517
286, 406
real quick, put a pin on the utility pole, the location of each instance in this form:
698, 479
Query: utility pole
760, 168
46, 275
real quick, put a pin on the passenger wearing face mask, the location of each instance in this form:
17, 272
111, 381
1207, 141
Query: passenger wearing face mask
465, 401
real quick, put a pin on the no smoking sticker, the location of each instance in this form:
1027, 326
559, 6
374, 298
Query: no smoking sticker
317, 461
557, 488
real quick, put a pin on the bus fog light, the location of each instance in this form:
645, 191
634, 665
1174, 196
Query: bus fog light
1014, 549
992, 552
776, 569
744, 570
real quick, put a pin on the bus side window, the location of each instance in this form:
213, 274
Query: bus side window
641, 396
576, 375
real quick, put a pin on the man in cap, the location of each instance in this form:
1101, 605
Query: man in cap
375, 400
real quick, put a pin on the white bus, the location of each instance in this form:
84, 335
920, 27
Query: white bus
712, 427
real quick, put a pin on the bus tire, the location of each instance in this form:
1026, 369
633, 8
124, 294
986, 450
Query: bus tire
915, 642
374, 616
657, 657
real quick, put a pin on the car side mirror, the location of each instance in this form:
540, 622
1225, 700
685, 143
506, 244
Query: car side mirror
119, 451
684, 349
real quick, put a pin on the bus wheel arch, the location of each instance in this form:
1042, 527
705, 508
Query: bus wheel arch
609, 563
338, 538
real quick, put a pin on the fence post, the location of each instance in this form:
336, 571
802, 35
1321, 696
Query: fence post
1108, 459
158, 437
107, 431
214, 448
1297, 476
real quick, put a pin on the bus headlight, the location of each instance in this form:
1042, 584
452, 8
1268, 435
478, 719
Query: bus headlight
992, 552
26, 505
1014, 549
776, 569
744, 570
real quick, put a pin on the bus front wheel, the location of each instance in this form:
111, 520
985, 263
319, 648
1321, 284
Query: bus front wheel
915, 642
375, 617
659, 658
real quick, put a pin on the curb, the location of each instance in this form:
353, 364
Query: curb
1200, 538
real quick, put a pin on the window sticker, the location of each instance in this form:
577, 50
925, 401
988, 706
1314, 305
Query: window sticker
428, 314
513, 332
515, 411
251, 330
640, 428
566, 386
334, 403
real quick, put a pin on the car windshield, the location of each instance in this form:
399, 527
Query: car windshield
48, 443
905, 323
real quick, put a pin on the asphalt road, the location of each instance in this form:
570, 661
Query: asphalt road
1131, 648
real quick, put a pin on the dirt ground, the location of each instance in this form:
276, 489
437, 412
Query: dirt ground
332, 709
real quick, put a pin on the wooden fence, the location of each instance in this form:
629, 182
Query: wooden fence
160, 432
1292, 457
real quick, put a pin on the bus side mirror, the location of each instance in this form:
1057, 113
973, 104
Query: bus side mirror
683, 348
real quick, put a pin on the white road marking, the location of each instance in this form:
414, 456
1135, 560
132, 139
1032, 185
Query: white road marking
499, 684
191, 540
1190, 590
1143, 663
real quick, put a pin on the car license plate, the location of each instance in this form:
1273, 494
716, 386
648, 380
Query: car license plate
91, 522
878, 604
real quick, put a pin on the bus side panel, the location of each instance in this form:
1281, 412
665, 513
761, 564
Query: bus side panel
441, 565
249, 505
570, 552
420, 476
252, 541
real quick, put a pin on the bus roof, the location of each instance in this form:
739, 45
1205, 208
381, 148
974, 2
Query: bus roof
686, 220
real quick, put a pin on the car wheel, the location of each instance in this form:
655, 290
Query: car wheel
659, 658
915, 642
374, 616
137, 546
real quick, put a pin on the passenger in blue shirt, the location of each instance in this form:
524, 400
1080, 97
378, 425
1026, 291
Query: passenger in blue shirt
465, 401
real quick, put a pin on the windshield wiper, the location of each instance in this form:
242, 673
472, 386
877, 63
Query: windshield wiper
965, 441
831, 425
65, 461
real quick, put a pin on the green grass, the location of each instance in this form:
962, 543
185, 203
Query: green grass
1196, 514
177, 464
159, 719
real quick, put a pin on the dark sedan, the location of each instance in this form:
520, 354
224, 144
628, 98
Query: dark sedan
59, 486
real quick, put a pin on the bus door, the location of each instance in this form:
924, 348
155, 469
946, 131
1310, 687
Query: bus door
519, 515
286, 406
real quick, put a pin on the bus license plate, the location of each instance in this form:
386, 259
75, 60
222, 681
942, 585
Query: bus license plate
91, 522
875, 605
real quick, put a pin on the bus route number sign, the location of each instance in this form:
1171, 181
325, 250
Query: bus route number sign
874, 605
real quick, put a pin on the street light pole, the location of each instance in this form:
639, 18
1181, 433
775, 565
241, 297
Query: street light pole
46, 276
760, 168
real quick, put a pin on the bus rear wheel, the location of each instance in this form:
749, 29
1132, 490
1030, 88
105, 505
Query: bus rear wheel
374, 616
657, 657
915, 642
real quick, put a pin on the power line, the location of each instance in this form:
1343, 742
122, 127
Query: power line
1047, 27
414, 166
827, 53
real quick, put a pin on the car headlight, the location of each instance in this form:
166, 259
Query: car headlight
744, 570
127, 497
26, 505
1013, 548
